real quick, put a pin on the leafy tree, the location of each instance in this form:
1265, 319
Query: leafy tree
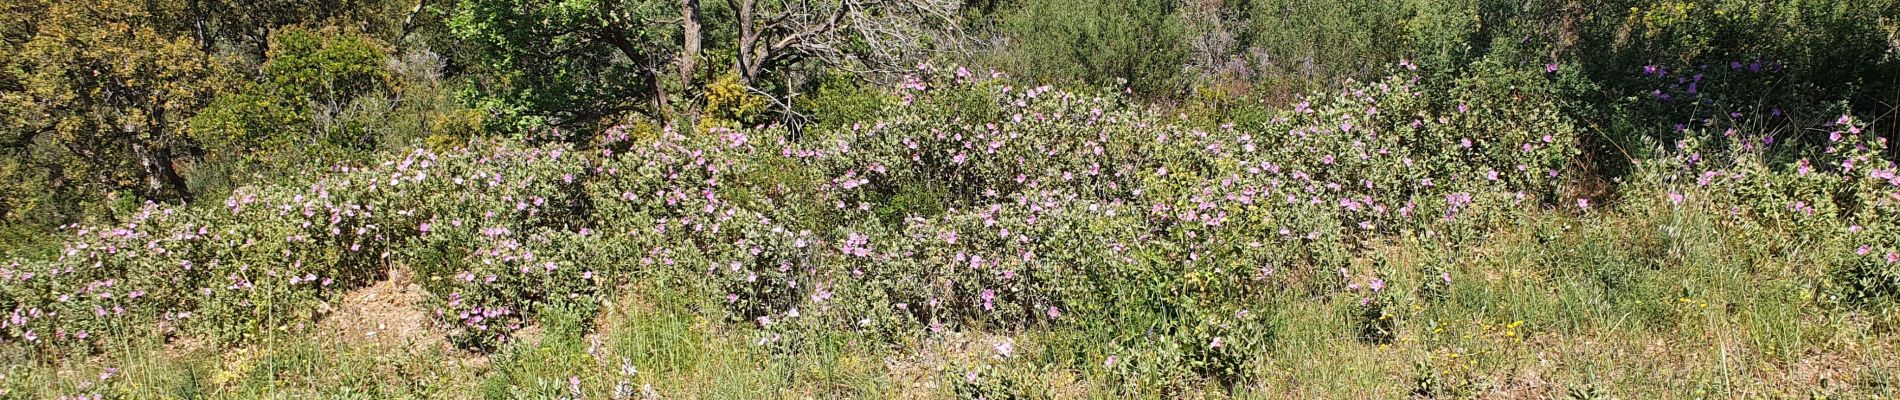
565, 62
97, 98
246, 27
98, 90
577, 63
1138, 42
309, 78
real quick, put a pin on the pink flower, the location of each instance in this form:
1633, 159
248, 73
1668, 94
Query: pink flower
1583, 203
1005, 349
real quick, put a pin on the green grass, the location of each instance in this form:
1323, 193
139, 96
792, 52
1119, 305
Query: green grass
1642, 302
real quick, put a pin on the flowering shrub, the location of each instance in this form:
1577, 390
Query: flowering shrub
495, 233
969, 204
201, 269
1839, 198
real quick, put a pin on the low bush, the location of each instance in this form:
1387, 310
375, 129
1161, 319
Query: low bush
971, 205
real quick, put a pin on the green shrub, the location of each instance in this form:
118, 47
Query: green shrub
1117, 44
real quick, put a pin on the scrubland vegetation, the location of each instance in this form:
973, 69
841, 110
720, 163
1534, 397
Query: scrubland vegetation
567, 199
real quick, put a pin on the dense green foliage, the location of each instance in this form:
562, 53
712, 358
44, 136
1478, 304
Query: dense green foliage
1146, 198
1177, 249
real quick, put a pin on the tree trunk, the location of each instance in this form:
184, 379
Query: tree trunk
162, 181
690, 44
652, 68
690, 37
409, 22
198, 25
748, 42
